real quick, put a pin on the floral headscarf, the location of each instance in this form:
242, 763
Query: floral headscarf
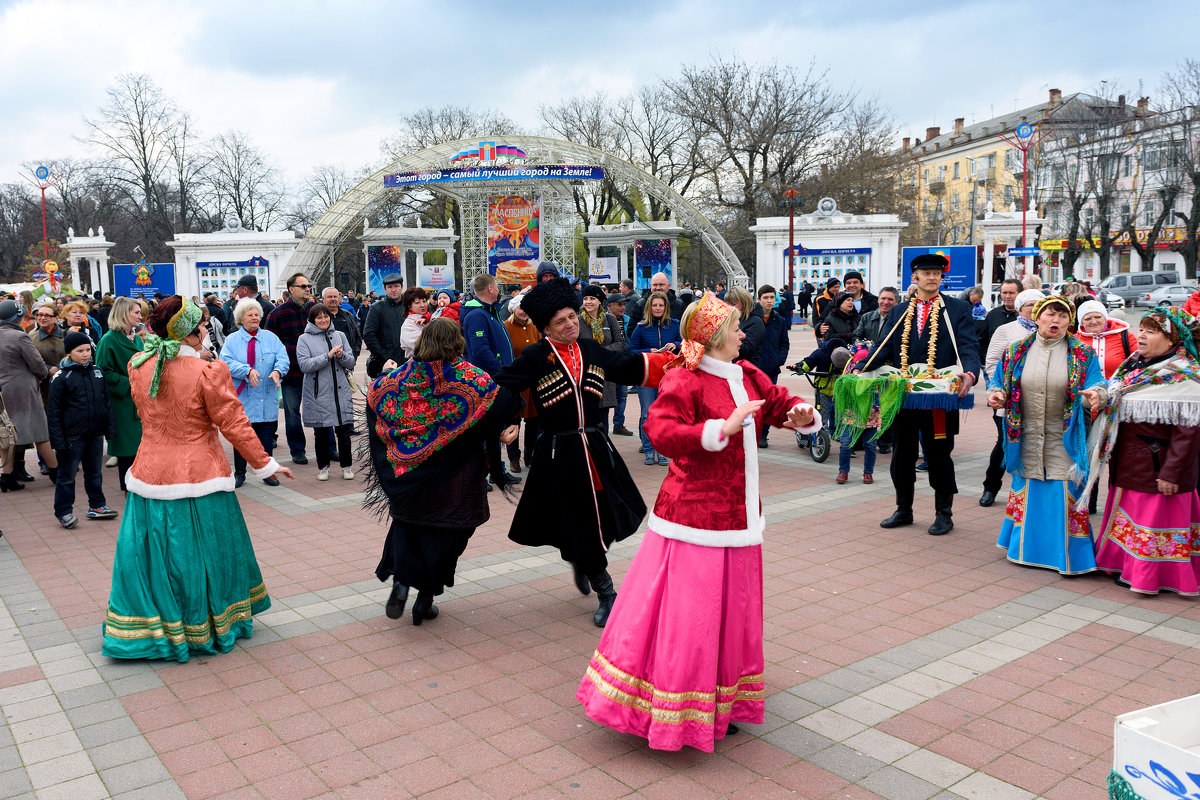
179, 327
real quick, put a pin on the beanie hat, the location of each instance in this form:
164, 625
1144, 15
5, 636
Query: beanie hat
1028, 296
75, 339
591, 290
854, 274
10, 311
1091, 307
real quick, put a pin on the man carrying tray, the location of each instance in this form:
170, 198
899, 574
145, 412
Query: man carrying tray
937, 331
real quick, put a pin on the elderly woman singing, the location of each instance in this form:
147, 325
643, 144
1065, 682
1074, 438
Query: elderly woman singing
1046, 384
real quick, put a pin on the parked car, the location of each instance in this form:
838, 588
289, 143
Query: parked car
1111, 300
1167, 295
1135, 285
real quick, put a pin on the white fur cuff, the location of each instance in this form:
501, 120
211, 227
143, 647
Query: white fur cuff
270, 469
712, 439
815, 425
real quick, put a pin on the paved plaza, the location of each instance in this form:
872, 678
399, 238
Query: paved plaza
899, 665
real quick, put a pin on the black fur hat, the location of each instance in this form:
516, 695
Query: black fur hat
546, 299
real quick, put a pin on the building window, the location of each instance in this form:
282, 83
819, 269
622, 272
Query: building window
954, 235
1089, 218
941, 173
1128, 170
1008, 195
1151, 214
926, 177
956, 170
926, 206
1010, 159
954, 200
939, 206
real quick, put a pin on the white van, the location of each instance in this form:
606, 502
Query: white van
1132, 285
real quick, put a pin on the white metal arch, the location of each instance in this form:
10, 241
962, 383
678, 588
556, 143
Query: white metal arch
344, 217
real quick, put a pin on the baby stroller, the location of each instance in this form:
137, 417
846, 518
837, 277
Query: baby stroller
822, 367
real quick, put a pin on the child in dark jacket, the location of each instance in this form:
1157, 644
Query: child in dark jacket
79, 412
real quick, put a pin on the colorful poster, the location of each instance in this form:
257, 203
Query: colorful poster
514, 238
436, 277
817, 266
963, 265
143, 280
383, 260
221, 277
602, 270
651, 256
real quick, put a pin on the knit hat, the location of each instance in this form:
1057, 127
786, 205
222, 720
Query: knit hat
854, 274
592, 290
829, 284
249, 281
75, 339
1028, 296
546, 299
10, 311
1091, 307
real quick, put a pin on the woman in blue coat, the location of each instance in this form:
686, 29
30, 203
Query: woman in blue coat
656, 333
256, 380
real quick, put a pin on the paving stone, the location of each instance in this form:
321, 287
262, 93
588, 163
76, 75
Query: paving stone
894, 784
109, 731
134, 775
820, 693
936, 769
978, 786
844, 762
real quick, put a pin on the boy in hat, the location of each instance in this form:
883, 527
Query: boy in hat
79, 414
929, 323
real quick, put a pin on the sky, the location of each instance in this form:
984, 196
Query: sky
323, 82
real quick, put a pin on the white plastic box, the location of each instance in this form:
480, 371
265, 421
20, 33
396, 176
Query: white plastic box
1157, 750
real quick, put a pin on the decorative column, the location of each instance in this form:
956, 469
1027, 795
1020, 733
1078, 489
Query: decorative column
94, 283
633, 269
75, 273
105, 286
420, 251
621, 273
674, 264
989, 260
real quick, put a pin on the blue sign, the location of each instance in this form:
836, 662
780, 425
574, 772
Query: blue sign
559, 172
1024, 251
1024, 130
143, 280
42, 173
964, 262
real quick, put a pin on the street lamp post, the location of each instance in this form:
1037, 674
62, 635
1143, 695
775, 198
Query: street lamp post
1024, 141
791, 199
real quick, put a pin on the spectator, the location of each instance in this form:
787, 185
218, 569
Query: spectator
416, 314
1002, 314
787, 305
75, 319
343, 318
659, 282
381, 332
103, 310
288, 321
870, 324
773, 352
605, 329
616, 307
804, 299
253, 356
750, 325
841, 321
823, 303
247, 286
864, 301
79, 417
21, 368
488, 346
47, 337
522, 333
324, 355
656, 333
122, 342
364, 308
446, 305
215, 311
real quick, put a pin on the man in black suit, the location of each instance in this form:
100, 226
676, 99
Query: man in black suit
936, 428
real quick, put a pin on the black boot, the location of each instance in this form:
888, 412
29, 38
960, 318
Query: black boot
11, 483
606, 593
424, 608
581, 580
901, 516
396, 602
943, 523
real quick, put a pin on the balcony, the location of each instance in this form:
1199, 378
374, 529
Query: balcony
985, 175
937, 187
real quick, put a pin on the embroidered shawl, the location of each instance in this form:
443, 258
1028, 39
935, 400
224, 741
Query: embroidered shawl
422, 406
1083, 371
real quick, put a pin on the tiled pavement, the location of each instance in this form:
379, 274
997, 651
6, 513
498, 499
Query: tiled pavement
898, 665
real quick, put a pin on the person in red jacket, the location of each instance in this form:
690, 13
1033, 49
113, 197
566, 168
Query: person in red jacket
1192, 306
681, 658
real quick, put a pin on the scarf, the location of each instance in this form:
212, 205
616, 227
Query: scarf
596, 324
166, 348
1027, 323
1080, 358
422, 406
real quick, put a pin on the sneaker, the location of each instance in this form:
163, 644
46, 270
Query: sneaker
923, 466
662, 460
68, 520
347, 474
323, 475
103, 512
621, 430
112, 461
649, 458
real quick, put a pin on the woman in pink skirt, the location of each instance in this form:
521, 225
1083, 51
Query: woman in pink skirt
681, 658
1150, 434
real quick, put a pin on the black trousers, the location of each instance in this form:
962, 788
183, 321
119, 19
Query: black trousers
531, 433
906, 447
345, 457
266, 437
993, 479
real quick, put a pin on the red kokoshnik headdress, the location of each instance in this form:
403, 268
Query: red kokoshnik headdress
707, 319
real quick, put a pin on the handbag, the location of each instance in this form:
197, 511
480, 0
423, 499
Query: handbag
8, 431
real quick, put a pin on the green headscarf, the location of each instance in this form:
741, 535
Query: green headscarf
179, 327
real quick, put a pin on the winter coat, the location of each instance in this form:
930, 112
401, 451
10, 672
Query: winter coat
261, 403
21, 369
79, 404
1192, 305
488, 346
381, 333
328, 399
773, 352
613, 339
347, 323
1147, 452
652, 336
410, 331
866, 302
1112, 346
822, 304
755, 332
521, 337
841, 327
288, 321
870, 327
53, 351
112, 356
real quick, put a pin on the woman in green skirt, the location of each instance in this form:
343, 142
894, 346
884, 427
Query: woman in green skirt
185, 579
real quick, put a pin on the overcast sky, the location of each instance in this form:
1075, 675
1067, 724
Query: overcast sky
315, 82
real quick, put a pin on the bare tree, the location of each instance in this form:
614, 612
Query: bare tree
863, 166
188, 163
1181, 90
319, 190
587, 121
428, 126
242, 181
660, 142
19, 225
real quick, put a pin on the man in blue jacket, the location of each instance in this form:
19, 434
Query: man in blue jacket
488, 345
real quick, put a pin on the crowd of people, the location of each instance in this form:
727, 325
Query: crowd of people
453, 379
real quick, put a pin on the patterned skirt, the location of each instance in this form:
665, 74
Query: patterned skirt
185, 579
1151, 541
682, 654
1043, 529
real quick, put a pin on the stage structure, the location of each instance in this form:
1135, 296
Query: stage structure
640, 238
500, 185
385, 249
